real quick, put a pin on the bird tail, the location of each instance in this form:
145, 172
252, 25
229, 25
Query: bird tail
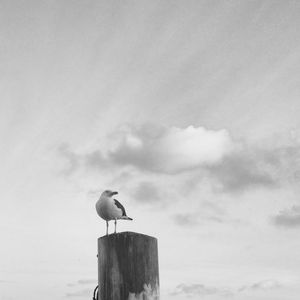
126, 218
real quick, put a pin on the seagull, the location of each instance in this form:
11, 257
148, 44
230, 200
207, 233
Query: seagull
110, 209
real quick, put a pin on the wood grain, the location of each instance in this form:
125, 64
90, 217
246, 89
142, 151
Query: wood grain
128, 267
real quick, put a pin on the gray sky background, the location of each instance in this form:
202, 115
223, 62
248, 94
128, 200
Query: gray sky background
190, 109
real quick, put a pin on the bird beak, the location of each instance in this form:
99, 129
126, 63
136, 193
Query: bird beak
114, 193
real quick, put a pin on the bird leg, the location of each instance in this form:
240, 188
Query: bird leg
106, 227
115, 225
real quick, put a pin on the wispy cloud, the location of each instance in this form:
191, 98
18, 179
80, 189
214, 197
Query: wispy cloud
147, 193
187, 219
6, 281
83, 282
241, 171
262, 285
257, 167
289, 218
204, 217
196, 290
72, 159
81, 293
93, 160
204, 212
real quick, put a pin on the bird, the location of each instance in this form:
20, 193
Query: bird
110, 209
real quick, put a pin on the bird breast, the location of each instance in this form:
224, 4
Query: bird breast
107, 210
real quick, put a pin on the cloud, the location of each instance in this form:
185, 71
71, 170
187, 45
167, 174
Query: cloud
147, 192
83, 282
82, 293
196, 290
288, 161
242, 170
94, 160
187, 219
191, 219
90, 161
201, 290
267, 284
72, 159
170, 150
5, 281
87, 292
229, 166
206, 213
253, 167
154, 148
289, 218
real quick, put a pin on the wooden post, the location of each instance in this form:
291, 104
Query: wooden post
128, 267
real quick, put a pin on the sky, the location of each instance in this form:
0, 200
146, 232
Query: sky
189, 109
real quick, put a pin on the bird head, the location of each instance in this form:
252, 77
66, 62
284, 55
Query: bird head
108, 193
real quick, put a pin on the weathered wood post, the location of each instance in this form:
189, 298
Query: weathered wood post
128, 267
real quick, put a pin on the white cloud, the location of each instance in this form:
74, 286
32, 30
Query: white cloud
171, 150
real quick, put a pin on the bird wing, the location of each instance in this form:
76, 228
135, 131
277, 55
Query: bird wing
120, 206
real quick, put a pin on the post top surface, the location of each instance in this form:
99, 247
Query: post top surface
125, 234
